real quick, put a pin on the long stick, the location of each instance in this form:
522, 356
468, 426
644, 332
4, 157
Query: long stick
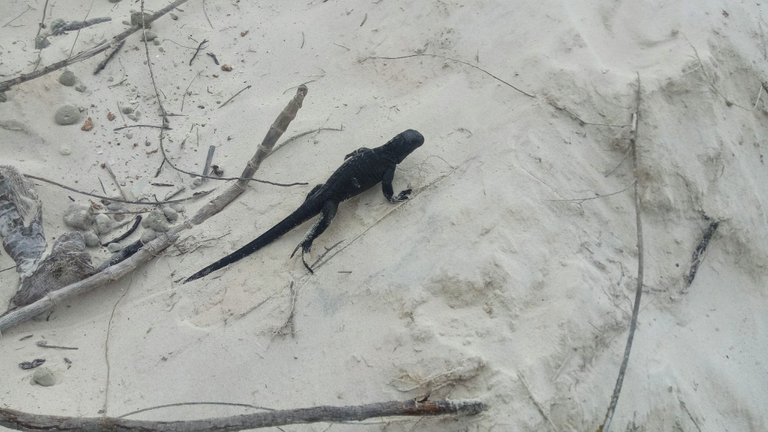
154, 247
30, 422
640, 265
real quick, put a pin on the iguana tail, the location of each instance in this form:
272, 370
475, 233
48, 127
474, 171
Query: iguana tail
298, 217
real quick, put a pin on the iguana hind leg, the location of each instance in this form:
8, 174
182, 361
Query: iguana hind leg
328, 212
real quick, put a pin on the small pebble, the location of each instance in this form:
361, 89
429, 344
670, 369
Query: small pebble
135, 116
226, 68
127, 110
87, 125
44, 377
178, 207
114, 247
65, 150
197, 182
173, 16
91, 239
110, 116
67, 115
156, 42
81, 88
68, 78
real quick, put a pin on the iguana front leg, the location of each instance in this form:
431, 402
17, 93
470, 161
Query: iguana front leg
328, 212
386, 187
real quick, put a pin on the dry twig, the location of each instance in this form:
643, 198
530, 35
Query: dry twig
640, 266
456, 61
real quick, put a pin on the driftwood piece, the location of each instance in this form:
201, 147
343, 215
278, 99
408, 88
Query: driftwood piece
30, 422
21, 220
67, 263
150, 250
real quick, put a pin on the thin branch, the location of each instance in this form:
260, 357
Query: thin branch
29, 8
197, 51
640, 266
84, 55
126, 234
186, 90
597, 196
302, 134
234, 96
40, 27
327, 414
196, 195
141, 126
457, 61
149, 66
246, 179
205, 12
171, 405
698, 253
102, 64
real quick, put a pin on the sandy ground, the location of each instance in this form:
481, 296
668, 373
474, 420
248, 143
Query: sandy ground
501, 279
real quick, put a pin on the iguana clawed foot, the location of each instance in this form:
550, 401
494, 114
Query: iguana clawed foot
305, 246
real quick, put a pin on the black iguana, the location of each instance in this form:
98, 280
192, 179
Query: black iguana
361, 170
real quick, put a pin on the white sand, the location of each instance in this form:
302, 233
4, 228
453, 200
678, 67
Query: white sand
486, 284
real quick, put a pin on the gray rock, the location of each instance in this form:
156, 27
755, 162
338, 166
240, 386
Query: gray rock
91, 239
67, 115
68, 78
136, 19
135, 116
156, 220
104, 223
44, 377
41, 41
171, 214
148, 235
114, 247
79, 217
178, 207
127, 110
81, 88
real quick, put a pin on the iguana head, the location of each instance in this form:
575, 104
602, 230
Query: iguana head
403, 144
